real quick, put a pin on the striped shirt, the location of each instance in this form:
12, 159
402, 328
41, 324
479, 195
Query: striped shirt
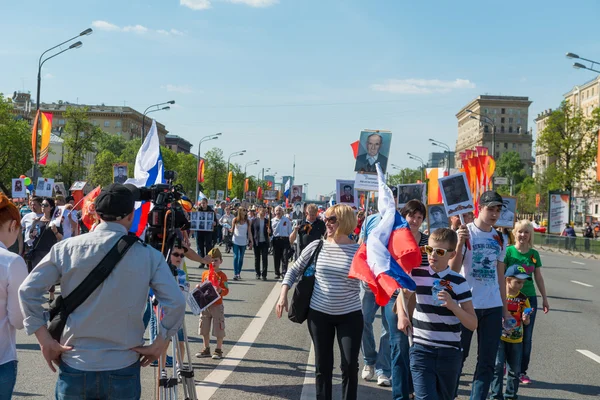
436, 325
334, 293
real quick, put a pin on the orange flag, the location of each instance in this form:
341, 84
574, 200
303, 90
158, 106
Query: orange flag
46, 130
230, 180
259, 193
355, 148
246, 185
201, 171
34, 133
88, 211
434, 196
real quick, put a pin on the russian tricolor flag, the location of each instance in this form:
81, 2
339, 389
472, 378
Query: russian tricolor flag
390, 253
148, 171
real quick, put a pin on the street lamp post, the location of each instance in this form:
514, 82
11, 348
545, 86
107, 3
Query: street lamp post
202, 140
394, 166
581, 66
41, 62
148, 111
305, 185
234, 154
250, 163
487, 120
447, 150
417, 158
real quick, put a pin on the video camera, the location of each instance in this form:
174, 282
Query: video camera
167, 218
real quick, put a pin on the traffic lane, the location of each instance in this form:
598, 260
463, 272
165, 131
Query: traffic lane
585, 270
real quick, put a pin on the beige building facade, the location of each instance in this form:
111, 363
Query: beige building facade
542, 160
507, 116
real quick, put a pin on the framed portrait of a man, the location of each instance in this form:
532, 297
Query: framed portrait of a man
18, 188
456, 194
120, 173
508, 214
296, 193
59, 189
436, 217
297, 212
346, 193
373, 148
413, 191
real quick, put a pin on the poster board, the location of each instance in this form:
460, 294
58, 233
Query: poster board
508, 215
346, 193
297, 213
373, 147
59, 189
120, 173
270, 195
220, 195
44, 187
456, 194
412, 191
202, 221
436, 217
296, 194
18, 188
367, 182
558, 211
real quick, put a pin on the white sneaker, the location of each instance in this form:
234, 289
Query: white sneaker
383, 380
368, 372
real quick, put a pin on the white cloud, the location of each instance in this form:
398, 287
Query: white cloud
422, 86
105, 26
135, 28
184, 89
48, 76
206, 4
174, 32
196, 4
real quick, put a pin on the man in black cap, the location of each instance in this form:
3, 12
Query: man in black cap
103, 338
480, 259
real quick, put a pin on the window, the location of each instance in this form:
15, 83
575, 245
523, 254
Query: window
485, 110
510, 130
503, 111
596, 209
61, 121
107, 124
502, 120
519, 121
94, 122
118, 124
506, 145
514, 145
495, 111
510, 111
502, 129
119, 133
485, 129
510, 120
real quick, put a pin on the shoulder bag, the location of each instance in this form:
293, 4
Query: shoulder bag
61, 308
300, 304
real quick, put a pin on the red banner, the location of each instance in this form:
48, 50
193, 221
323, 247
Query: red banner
246, 185
34, 133
355, 148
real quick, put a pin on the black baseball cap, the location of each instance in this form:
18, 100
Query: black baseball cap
115, 202
490, 199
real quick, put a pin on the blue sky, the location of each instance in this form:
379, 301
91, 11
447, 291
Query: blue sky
302, 77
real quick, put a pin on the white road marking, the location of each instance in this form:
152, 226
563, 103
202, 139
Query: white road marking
582, 284
309, 390
207, 388
591, 355
578, 263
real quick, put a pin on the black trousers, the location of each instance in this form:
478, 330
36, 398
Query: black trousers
204, 242
261, 251
323, 329
280, 247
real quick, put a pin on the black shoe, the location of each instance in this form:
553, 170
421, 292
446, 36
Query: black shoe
201, 266
264, 278
257, 276
277, 276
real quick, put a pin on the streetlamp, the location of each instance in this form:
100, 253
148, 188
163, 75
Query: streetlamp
417, 158
443, 146
581, 66
487, 120
305, 190
148, 112
202, 140
394, 166
234, 154
41, 62
250, 163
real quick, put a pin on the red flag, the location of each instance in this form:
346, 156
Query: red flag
201, 171
355, 148
34, 133
212, 276
246, 185
259, 193
88, 211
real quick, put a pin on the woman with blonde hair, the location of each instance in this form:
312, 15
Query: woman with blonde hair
335, 306
523, 254
13, 272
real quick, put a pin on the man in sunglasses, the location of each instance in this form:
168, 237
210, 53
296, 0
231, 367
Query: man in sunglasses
480, 259
309, 230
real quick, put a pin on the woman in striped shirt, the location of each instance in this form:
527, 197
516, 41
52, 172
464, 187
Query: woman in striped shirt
335, 306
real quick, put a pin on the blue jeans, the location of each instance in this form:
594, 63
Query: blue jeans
381, 359
8, 378
435, 371
122, 384
528, 336
509, 353
402, 384
238, 258
489, 330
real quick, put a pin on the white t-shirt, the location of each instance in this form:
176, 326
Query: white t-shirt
240, 234
480, 264
27, 222
67, 227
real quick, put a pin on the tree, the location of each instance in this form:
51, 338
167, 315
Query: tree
186, 173
102, 170
215, 170
405, 176
572, 140
510, 166
15, 146
80, 139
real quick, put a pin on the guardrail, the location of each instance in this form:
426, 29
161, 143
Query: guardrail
567, 244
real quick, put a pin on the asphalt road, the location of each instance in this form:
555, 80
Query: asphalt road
267, 358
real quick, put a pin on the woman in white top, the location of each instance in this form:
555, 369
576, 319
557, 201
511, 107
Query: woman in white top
13, 272
242, 238
335, 306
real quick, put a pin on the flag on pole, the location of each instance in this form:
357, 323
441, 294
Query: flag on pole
46, 131
288, 185
230, 180
390, 253
355, 148
201, 171
149, 170
34, 134
246, 185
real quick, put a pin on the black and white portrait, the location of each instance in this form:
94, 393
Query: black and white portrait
415, 191
508, 214
456, 194
436, 217
18, 188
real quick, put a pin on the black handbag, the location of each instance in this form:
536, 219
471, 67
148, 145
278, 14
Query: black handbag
61, 307
298, 311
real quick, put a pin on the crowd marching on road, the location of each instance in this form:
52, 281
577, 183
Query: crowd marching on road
469, 280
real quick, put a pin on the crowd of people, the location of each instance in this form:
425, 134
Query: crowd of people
472, 277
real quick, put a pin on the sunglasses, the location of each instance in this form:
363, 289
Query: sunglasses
332, 219
178, 255
439, 252
45, 205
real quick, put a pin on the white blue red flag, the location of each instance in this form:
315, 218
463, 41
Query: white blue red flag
286, 190
390, 253
149, 170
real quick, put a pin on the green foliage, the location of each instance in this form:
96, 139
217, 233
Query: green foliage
169, 158
15, 146
186, 173
111, 143
102, 170
215, 171
405, 176
510, 166
572, 139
